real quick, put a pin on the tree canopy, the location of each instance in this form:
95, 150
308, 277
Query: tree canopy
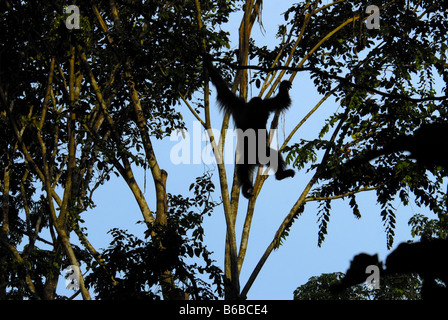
80, 105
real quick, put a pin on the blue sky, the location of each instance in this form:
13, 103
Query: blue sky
299, 258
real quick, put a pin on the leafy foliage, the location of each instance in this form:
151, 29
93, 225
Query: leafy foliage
384, 80
79, 105
76, 106
401, 287
136, 264
427, 228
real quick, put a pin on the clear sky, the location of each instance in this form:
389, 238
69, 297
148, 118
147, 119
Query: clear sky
299, 258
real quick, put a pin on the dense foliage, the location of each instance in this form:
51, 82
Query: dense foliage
77, 105
403, 287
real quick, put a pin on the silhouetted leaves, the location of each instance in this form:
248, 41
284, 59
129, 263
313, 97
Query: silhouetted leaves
154, 48
402, 287
384, 81
136, 264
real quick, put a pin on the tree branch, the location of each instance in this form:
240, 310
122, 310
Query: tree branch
292, 213
340, 79
343, 195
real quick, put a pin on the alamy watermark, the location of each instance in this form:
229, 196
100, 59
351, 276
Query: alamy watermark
72, 21
373, 280
72, 276
373, 20
250, 146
